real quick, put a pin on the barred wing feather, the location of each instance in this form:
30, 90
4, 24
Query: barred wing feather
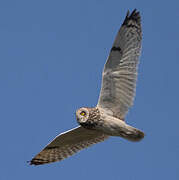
67, 144
120, 71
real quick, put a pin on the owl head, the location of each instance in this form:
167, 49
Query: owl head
82, 115
87, 117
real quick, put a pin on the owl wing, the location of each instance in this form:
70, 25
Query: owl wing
120, 71
67, 144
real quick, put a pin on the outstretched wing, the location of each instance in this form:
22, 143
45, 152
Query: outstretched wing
120, 71
66, 144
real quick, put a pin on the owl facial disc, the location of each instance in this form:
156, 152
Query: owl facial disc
82, 115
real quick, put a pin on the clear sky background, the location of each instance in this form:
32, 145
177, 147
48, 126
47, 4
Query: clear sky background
51, 58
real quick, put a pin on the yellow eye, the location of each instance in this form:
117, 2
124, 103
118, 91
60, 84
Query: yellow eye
83, 113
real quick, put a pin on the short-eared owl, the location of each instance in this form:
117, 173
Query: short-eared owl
116, 96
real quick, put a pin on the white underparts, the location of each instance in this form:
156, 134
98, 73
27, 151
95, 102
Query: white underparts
116, 127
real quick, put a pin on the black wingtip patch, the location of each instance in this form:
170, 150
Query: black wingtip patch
116, 49
52, 147
135, 16
37, 161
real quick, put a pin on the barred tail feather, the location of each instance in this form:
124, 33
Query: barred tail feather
132, 134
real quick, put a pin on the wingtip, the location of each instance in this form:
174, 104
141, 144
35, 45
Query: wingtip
36, 162
133, 13
128, 12
135, 16
32, 162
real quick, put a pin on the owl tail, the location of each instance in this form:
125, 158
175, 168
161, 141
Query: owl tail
117, 127
132, 134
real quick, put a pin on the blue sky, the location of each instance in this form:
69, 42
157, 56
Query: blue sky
51, 60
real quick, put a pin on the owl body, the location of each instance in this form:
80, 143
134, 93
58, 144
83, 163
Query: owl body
97, 119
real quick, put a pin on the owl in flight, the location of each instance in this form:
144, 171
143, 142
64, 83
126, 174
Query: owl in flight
116, 97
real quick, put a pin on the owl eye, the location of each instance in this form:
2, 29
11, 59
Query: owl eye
83, 113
